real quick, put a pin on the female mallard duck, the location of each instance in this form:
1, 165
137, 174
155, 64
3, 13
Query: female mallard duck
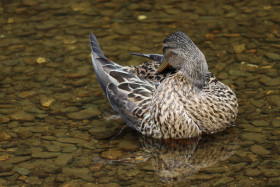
184, 102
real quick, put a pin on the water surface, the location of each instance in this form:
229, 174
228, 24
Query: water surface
58, 129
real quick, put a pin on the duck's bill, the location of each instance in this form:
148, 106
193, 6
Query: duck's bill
162, 66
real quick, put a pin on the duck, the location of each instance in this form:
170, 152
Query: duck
174, 96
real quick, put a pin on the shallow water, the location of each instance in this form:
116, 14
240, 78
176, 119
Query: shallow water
58, 129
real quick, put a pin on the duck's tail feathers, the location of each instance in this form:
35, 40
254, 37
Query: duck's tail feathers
101, 64
95, 48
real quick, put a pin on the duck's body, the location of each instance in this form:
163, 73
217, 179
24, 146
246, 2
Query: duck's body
184, 102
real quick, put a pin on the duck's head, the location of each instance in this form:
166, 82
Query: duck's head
182, 54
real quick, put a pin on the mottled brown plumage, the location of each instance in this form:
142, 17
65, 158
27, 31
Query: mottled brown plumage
207, 110
181, 102
148, 71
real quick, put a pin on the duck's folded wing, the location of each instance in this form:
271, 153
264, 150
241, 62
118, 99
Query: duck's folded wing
156, 57
129, 94
131, 97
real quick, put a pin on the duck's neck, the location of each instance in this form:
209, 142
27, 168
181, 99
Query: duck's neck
196, 72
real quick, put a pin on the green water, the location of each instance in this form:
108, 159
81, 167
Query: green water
58, 129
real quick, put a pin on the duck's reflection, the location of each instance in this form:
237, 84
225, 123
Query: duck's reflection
175, 160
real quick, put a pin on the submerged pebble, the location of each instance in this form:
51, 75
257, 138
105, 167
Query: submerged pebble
276, 123
142, 17
33, 180
260, 123
53, 148
270, 172
46, 101
223, 181
112, 154
76, 173
259, 138
252, 172
4, 119
128, 145
44, 154
273, 56
41, 60
239, 48
84, 114
23, 171
22, 116
260, 150
4, 136
63, 159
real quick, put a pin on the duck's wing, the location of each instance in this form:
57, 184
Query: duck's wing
155, 57
129, 94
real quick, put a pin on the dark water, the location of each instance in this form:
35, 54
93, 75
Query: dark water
58, 129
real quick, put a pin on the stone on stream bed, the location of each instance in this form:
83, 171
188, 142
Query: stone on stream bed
84, 114
260, 123
270, 172
272, 56
128, 145
239, 73
69, 149
53, 148
63, 159
82, 173
100, 132
26, 94
5, 166
22, 116
4, 136
274, 181
45, 155
252, 172
4, 119
259, 138
273, 82
260, 150
71, 140
24, 133
18, 159
23, 171
274, 100
276, 123
251, 128
33, 180
224, 181
95, 167
112, 154
46, 101
239, 48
